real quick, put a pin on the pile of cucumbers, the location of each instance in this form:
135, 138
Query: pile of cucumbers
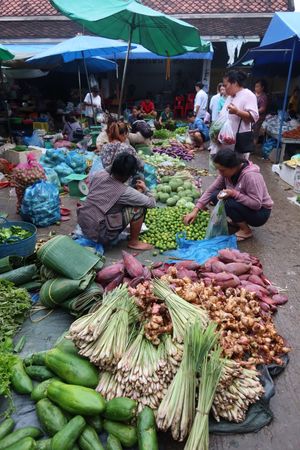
70, 411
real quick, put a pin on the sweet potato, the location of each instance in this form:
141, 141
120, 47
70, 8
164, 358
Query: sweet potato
156, 265
137, 280
237, 268
244, 277
157, 273
272, 290
184, 273
114, 283
189, 265
280, 299
256, 280
218, 267
132, 266
264, 306
256, 271
227, 255
147, 273
232, 282
210, 275
224, 277
208, 263
109, 273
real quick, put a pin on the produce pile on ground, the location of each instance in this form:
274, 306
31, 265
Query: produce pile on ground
175, 191
164, 134
70, 412
164, 223
13, 234
176, 150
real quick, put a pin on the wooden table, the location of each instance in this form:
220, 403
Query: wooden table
284, 142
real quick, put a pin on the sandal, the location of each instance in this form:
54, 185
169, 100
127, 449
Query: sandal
243, 238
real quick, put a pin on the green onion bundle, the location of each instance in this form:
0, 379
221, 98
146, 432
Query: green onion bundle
182, 313
211, 371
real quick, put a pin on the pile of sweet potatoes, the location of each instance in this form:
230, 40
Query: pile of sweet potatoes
232, 268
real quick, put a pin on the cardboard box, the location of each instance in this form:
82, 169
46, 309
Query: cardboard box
15, 157
287, 174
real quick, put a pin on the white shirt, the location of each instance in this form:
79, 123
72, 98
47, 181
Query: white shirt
201, 101
213, 106
89, 98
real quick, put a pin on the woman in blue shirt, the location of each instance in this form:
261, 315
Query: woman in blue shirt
198, 131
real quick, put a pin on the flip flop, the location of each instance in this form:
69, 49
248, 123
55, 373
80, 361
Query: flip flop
65, 218
65, 211
4, 184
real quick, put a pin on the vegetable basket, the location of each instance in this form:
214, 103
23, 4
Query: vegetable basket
23, 247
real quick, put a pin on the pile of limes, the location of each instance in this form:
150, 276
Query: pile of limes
164, 223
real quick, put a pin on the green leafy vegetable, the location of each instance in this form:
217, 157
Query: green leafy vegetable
13, 234
7, 360
15, 304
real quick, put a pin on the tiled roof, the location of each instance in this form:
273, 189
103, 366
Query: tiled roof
26, 8
57, 29
217, 6
9, 8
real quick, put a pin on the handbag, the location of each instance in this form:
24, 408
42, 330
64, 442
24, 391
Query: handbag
244, 141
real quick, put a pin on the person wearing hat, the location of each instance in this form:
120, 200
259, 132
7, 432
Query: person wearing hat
92, 102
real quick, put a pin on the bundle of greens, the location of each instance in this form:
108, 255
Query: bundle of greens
15, 304
13, 234
7, 361
177, 409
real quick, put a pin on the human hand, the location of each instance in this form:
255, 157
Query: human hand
232, 109
140, 186
225, 194
190, 217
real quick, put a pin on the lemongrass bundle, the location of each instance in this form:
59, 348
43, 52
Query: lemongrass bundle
182, 313
211, 371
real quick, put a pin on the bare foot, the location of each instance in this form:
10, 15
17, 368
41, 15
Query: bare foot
138, 245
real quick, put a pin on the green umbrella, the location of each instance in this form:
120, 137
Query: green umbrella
131, 21
5, 54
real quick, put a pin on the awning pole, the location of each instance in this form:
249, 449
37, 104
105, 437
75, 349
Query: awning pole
285, 103
125, 71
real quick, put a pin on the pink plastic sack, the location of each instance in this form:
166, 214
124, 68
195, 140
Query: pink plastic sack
226, 135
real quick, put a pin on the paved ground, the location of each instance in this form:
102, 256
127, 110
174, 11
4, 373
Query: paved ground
277, 245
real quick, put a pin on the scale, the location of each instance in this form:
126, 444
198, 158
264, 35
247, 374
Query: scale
77, 185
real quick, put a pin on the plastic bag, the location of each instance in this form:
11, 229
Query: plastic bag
36, 140
201, 251
215, 128
150, 176
63, 170
41, 204
76, 162
268, 146
226, 135
218, 225
52, 176
96, 167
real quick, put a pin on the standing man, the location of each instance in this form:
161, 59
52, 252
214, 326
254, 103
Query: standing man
92, 102
214, 102
200, 104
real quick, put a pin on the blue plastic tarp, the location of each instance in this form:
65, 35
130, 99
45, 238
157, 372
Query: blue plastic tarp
141, 53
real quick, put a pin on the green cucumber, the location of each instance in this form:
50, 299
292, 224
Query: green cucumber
17, 435
45, 444
120, 409
40, 390
26, 443
72, 368
95, 422
20, 381
89, 439
113, 443
76, 399
65, 439
20, 344
126, 434
67, 346
146, 430
50, 416
6, 427
39, 373
35, 359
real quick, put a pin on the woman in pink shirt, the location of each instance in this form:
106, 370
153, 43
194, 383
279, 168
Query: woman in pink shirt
242, 188
241, 103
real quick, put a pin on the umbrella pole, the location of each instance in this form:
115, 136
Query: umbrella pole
80, 92
124, 72
89, 87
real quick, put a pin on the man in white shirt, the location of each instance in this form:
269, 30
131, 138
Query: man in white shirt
214, 102
200, 104
92, 103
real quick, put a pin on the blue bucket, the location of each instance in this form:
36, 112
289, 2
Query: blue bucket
24, 247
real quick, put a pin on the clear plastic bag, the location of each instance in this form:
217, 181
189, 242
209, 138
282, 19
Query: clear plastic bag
218, 225
226, 135
215, 128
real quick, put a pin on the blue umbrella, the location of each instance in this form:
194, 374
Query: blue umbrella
93, 65
77, 48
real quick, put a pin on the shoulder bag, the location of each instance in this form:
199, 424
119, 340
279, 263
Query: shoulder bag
244, 141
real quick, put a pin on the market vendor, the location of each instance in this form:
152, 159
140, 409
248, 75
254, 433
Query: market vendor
147, 108
198, 130
117, 143
243, 189
72, 129
93, 105
111, 205
135, 115
102, 137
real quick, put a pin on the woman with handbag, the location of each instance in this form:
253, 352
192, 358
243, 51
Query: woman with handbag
241, 103
243, 189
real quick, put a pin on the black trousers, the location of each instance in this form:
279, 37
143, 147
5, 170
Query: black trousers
240, 213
